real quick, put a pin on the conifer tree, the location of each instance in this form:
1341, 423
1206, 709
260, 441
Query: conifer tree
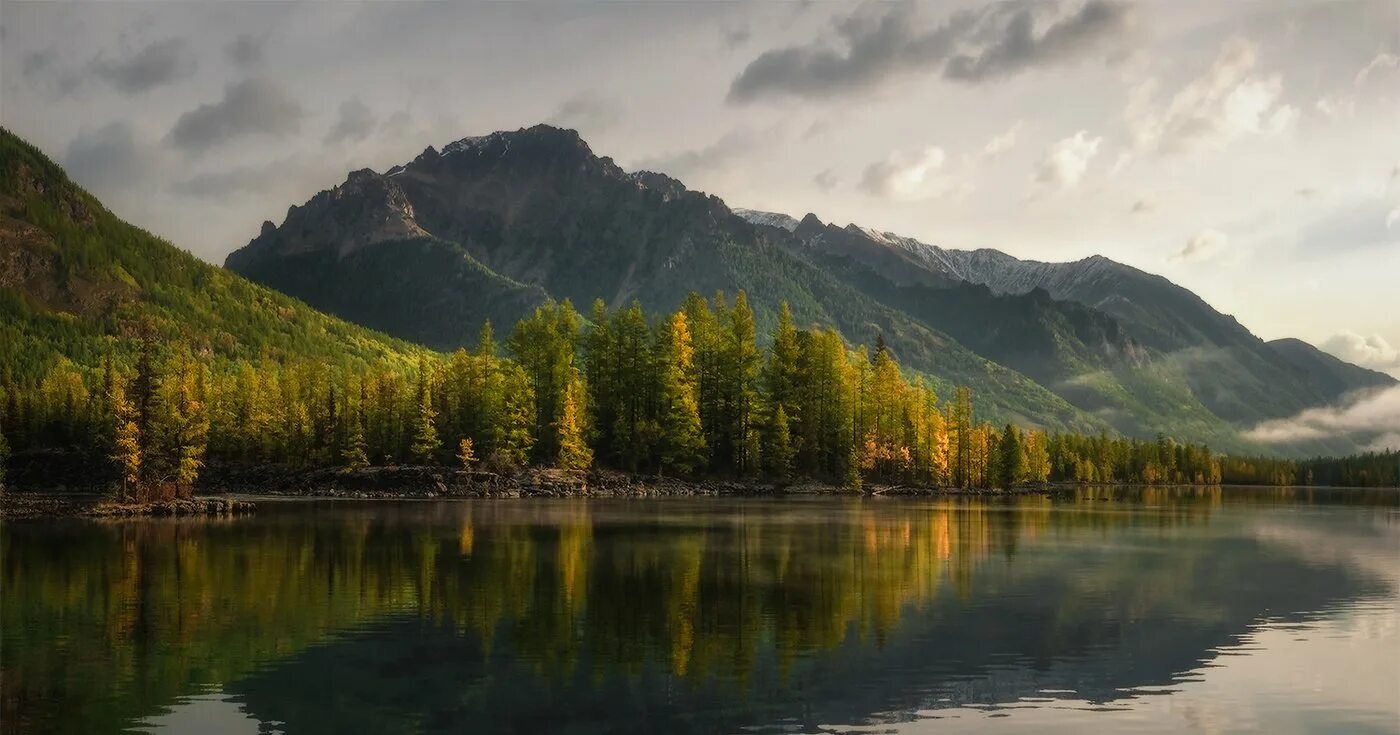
780, 374
183, 426
682, 438
1010, 461
355, 455
466, 454
779, 455
4, 455
740, 376
126, 440
574, 452
425, 435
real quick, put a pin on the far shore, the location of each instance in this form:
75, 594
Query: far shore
235, 490
231, 491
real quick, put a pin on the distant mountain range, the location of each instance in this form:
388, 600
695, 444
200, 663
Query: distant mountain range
491, 226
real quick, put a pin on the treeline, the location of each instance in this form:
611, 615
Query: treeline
686, 394
1371, 469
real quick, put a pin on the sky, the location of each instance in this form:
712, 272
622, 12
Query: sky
1249, 151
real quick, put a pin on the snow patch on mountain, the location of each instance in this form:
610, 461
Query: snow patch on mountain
772, 219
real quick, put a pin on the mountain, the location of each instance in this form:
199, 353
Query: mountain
75, 279
1231, 372
1327, 375
490, 226
537, 207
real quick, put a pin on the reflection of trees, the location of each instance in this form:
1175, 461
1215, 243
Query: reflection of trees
105, 623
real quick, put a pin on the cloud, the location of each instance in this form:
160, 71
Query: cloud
909, 176
1003, 142
253, 107
109, 157
1367, 223
160, 63
826, 180
1367, 351
1016, 46
355, 123
876, 46
221, 184
1371, 416
736, 36
1201, 245
1335, 107
1067, 160
41, 69
245, 50
1382, 63
588, 112
731, 146
1227, 102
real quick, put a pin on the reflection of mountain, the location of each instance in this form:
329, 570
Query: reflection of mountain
672, 616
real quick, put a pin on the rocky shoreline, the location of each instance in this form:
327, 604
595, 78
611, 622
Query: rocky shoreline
23, 505
422, 482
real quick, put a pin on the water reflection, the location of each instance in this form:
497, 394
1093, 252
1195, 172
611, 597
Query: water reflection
670, 616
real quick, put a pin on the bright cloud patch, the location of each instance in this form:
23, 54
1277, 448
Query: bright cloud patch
1369, 351
1229, 101
1065, 163
908, 176
1371, 418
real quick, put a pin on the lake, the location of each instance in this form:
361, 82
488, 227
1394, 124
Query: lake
1120, 610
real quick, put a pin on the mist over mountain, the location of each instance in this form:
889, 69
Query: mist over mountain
489, 227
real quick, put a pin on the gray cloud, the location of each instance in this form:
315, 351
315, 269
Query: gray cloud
736, 36
970, 46
160, 63
588, 113
1015, 45
219, 184
826, 180
355, 123
109, 157
1202, 245
42, 69
252, 107
246, 50
731, 146
1370, 223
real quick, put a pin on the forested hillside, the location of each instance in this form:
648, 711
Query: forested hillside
77, 283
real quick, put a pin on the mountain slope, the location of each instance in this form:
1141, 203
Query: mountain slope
489, 225
1079, 353
1222, 366
537, 207
74, 278
1327, 375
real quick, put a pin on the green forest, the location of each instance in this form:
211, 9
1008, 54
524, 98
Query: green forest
686, 394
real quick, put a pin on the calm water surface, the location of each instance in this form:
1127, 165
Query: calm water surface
1174, 610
